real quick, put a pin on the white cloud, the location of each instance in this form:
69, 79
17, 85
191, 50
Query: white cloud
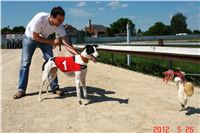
81, 4
117, 4
124, 5
98, 2
198, 15
79, 12
130, 17
101, 8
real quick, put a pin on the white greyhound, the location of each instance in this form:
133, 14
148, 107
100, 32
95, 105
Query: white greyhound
73, 65
185, 89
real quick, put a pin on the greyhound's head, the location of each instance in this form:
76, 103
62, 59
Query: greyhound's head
177, 80
90, 52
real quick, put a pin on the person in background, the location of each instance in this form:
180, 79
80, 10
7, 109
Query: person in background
36, 35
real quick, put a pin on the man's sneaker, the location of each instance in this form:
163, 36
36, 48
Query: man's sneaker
58, 91
19, 94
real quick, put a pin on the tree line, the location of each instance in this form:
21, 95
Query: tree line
17, 29
177, 25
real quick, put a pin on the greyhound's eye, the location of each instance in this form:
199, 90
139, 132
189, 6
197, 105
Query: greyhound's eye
90, 50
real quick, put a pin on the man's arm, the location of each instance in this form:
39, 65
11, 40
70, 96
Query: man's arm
68, 45
37, 37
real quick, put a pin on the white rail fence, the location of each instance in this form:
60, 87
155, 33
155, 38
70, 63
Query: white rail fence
166, 53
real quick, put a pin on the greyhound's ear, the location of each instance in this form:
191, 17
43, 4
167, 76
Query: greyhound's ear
95, 45
86, 46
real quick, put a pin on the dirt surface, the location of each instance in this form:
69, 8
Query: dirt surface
119, 101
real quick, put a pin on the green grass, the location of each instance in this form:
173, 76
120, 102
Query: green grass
151, 66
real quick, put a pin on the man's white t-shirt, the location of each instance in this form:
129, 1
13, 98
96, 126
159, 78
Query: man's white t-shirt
40, 24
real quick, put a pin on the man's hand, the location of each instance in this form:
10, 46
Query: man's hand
56, 42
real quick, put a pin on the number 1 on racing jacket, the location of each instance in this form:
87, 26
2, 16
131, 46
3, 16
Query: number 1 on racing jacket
67, 64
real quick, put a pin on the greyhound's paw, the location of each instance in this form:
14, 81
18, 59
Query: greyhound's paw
86, 101
85, 97
82, 106
80, 102
183, 106
39, 100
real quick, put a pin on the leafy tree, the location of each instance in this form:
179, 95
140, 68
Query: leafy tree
188, 31
119, 26
178, 23
139, 32
6, 30
158, 29
19, 29
168, 30
109, 32
196, 32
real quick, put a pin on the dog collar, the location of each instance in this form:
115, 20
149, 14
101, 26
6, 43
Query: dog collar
84, 59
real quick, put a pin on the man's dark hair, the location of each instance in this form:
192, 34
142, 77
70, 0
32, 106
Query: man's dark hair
57, 11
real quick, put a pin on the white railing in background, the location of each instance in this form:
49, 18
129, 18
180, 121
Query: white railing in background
138, 38
167, 53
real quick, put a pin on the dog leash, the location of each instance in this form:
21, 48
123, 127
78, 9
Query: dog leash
59, 46
58, 37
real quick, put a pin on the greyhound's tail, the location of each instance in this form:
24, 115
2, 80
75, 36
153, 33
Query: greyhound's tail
46, 62
43, 65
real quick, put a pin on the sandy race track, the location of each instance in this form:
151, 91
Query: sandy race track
119, 101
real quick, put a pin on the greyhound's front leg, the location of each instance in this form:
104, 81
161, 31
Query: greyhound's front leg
40, 91
83, 81
84, 88
78, 92
52, 76
44, 80
48, 84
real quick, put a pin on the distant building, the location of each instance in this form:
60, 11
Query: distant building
72, 33
12, 40
95, 30
70, 30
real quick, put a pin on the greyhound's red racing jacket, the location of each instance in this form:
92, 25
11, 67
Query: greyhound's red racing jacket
67, 64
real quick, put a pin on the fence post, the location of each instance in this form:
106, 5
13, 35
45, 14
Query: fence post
160, 42
170, 64
128, 42
112, 58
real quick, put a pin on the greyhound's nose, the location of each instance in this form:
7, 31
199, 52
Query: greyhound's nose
98, 56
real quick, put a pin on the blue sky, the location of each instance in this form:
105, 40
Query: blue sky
142, 13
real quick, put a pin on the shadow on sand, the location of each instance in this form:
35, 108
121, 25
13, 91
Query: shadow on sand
95, 95
191, 110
